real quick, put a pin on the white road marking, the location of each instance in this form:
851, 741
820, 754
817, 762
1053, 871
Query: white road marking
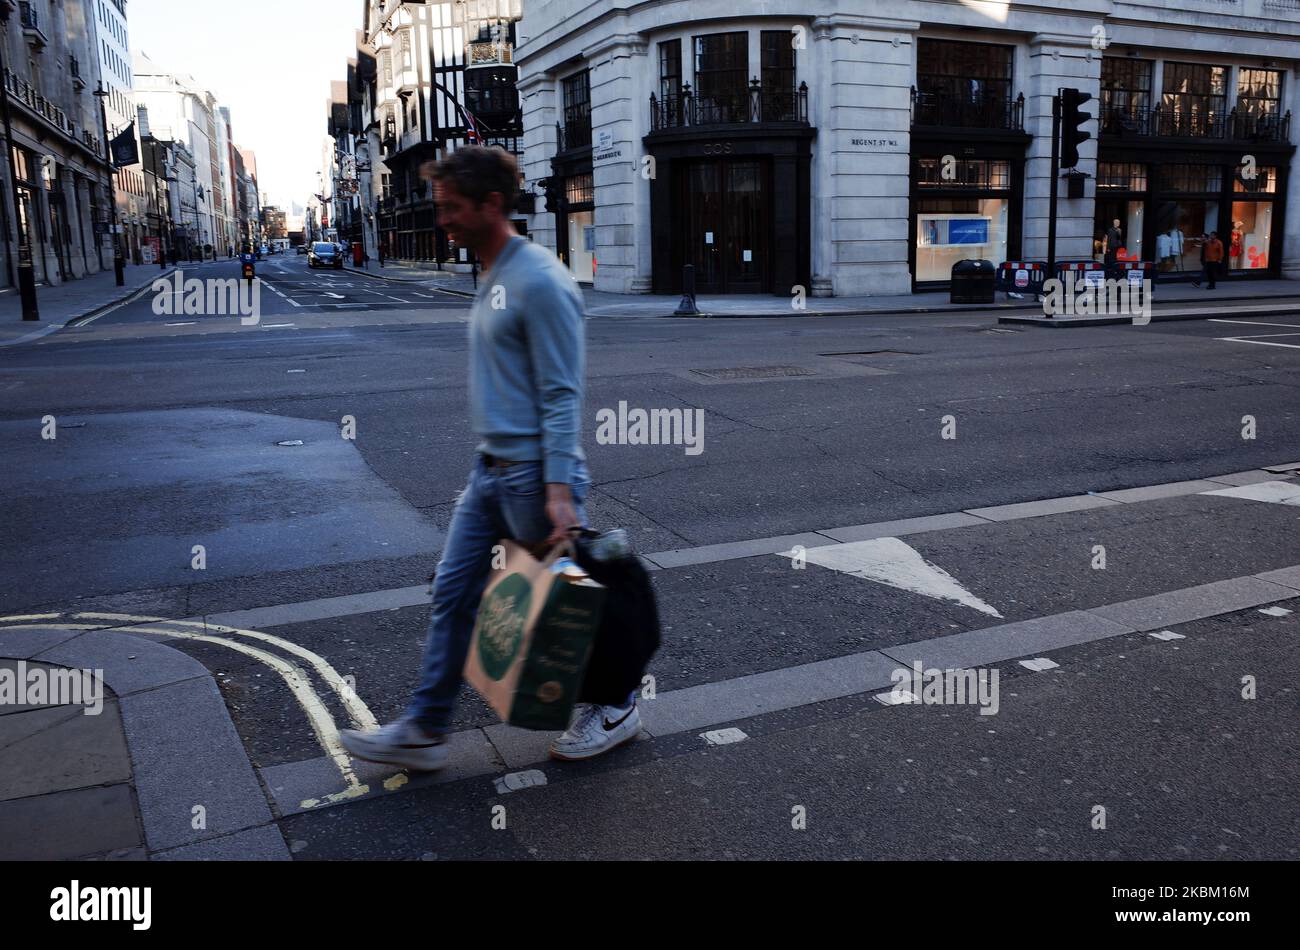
275, 326
1238, 339
189, 324
723, 736
899, 698
1276, 493
1255, 323
1167, 635
517, 780
335, 296
1275, 611
890, 562
1039, 664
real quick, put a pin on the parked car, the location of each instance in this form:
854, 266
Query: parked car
325, 254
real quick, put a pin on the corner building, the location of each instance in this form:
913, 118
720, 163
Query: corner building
863, 149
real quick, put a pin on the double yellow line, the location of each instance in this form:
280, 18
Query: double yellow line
299, 683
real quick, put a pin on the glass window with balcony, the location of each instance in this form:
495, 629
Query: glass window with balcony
670, 85
1125, 95
1194, 100
577, 110
721, 90
777, 78
1259, 104
965, 85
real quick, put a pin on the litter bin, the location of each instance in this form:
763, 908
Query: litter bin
972, 282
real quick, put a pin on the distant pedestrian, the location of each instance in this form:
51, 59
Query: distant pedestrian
1213, 257
1114, 241
529, 480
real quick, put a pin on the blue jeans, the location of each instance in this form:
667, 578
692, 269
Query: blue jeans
497, 503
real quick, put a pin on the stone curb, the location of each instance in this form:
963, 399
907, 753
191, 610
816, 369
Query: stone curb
183, 746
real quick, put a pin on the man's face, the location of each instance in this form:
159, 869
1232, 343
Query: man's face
1115, 224
467, 223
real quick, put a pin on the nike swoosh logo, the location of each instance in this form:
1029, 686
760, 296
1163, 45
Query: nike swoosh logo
614, 725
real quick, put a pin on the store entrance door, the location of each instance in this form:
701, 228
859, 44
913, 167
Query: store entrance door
725, 225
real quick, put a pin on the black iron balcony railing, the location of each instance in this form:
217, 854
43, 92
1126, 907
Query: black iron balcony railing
743, 107
947, 110
575, 134
20, 90
1123, 120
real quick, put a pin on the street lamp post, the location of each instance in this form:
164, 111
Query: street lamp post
26, 273
119, 265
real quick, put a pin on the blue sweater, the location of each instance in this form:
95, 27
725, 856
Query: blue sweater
526, 360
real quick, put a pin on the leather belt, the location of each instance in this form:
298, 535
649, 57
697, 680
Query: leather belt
492, 461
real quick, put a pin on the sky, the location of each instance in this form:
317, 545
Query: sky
269, 61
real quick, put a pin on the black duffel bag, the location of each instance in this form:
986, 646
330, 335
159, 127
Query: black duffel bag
629, 625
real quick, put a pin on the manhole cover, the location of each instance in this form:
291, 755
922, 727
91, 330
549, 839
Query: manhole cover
755, 372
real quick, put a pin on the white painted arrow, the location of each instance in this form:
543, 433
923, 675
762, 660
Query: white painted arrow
890, 562
335, 296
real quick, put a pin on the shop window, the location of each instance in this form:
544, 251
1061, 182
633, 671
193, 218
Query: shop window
963, 84
952, 229
1125, 94
1181, 227
1117, 230
1248, 242
1121, 176
1194, 100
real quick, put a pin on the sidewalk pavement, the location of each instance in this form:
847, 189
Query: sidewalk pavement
65, 789
160, 773
602, 304
79, 298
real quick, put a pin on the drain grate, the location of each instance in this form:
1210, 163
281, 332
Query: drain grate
755, 372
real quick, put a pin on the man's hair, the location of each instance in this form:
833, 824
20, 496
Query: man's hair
476, 171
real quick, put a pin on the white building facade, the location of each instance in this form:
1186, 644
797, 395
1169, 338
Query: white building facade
840, 149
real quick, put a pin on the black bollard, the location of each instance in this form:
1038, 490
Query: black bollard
687, 308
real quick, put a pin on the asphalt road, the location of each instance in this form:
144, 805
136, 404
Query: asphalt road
178, 430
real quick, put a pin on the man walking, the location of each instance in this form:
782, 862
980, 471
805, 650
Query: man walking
529, 481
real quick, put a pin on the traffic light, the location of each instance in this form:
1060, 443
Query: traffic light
1071, 118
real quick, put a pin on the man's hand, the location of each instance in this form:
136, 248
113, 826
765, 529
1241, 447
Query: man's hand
559, 508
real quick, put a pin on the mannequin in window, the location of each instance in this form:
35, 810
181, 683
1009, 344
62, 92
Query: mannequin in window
1235, 246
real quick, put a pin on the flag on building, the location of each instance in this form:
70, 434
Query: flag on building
472, 134
124, 148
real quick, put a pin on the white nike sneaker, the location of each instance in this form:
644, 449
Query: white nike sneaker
596, 729
400, 743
